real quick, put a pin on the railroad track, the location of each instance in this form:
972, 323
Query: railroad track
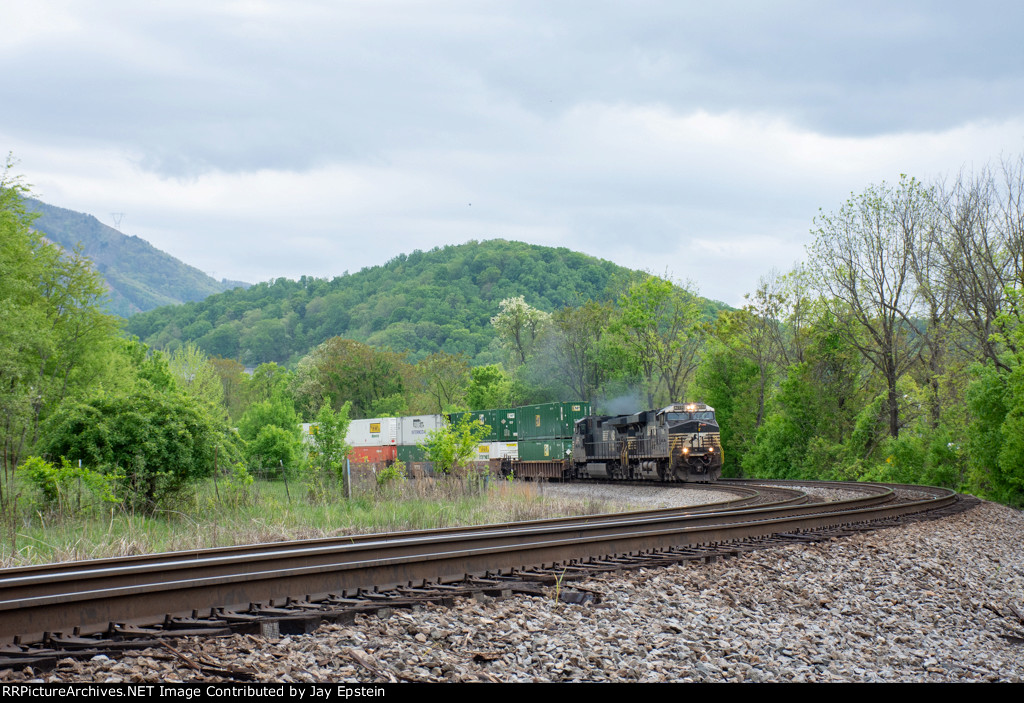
81, 604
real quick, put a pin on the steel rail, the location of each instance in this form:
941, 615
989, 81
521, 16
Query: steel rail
747, 497
34, 581
33, 604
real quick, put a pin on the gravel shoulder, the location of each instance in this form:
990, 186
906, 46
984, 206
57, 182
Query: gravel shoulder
933, 601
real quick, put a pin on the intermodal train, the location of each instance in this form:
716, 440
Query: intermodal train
680, 442
560, 441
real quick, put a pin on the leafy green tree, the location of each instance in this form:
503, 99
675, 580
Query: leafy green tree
22, 309
489, 387
80, 332
330, 449
234, 384
728, 382
272, 435
995, 399
812, 416
451, 446
444, 378
1009, 479
269, 381
69, 489
55, 340
274, 452
277, 411
195, 375
344, 370
661, 332
394, 405
577, 334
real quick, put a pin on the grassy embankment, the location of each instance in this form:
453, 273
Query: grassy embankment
269, 511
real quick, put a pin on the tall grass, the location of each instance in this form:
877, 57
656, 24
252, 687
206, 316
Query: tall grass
267, 512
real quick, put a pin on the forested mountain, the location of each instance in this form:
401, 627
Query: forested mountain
423, 302
139, 276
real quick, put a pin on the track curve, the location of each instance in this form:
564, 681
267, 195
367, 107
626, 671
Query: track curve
36, 601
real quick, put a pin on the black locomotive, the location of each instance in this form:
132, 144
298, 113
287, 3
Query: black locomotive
680, 442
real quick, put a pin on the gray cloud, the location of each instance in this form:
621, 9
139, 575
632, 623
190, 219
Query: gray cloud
699, 135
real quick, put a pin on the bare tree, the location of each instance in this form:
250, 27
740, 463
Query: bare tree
445, 378
861, 259
975, 255
760, 334
576, 340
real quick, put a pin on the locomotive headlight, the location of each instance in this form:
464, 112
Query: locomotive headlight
711, 450
686, 450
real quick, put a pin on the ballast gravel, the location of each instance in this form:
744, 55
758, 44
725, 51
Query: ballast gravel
936, 601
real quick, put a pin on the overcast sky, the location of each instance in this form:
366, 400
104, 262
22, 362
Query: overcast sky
262, 139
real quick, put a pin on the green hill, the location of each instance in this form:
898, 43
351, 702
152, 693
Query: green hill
139, 276
423, 302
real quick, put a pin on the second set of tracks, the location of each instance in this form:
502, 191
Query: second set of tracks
70, 600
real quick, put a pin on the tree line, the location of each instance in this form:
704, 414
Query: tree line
424, 303
893, 352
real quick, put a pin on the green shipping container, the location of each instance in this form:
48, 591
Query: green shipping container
491, 418
409, 454
507, 422
544, 449
549, 420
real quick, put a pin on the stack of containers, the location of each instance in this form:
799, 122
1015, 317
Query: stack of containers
503, 444
545, 430
373, 441
500, 440
412, 432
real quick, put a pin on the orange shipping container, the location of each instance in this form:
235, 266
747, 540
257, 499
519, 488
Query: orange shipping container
382, 455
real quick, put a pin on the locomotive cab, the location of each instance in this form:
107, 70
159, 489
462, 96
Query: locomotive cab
694, 440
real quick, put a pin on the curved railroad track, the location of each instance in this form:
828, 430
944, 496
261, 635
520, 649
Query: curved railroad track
79, 604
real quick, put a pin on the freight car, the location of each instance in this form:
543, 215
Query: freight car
680, 442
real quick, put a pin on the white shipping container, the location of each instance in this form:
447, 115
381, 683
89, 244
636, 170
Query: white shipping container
483, 452
412, 430
373, 432
504, 450
308, 431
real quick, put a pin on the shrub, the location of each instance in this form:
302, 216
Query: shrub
454, 445
272, 449
392, 474
61, 488
160, 441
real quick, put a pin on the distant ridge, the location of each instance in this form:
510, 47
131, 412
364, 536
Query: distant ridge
423, 302
139, 276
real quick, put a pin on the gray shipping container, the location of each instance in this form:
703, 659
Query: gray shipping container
413, 429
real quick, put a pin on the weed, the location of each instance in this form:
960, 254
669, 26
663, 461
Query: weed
558, 583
